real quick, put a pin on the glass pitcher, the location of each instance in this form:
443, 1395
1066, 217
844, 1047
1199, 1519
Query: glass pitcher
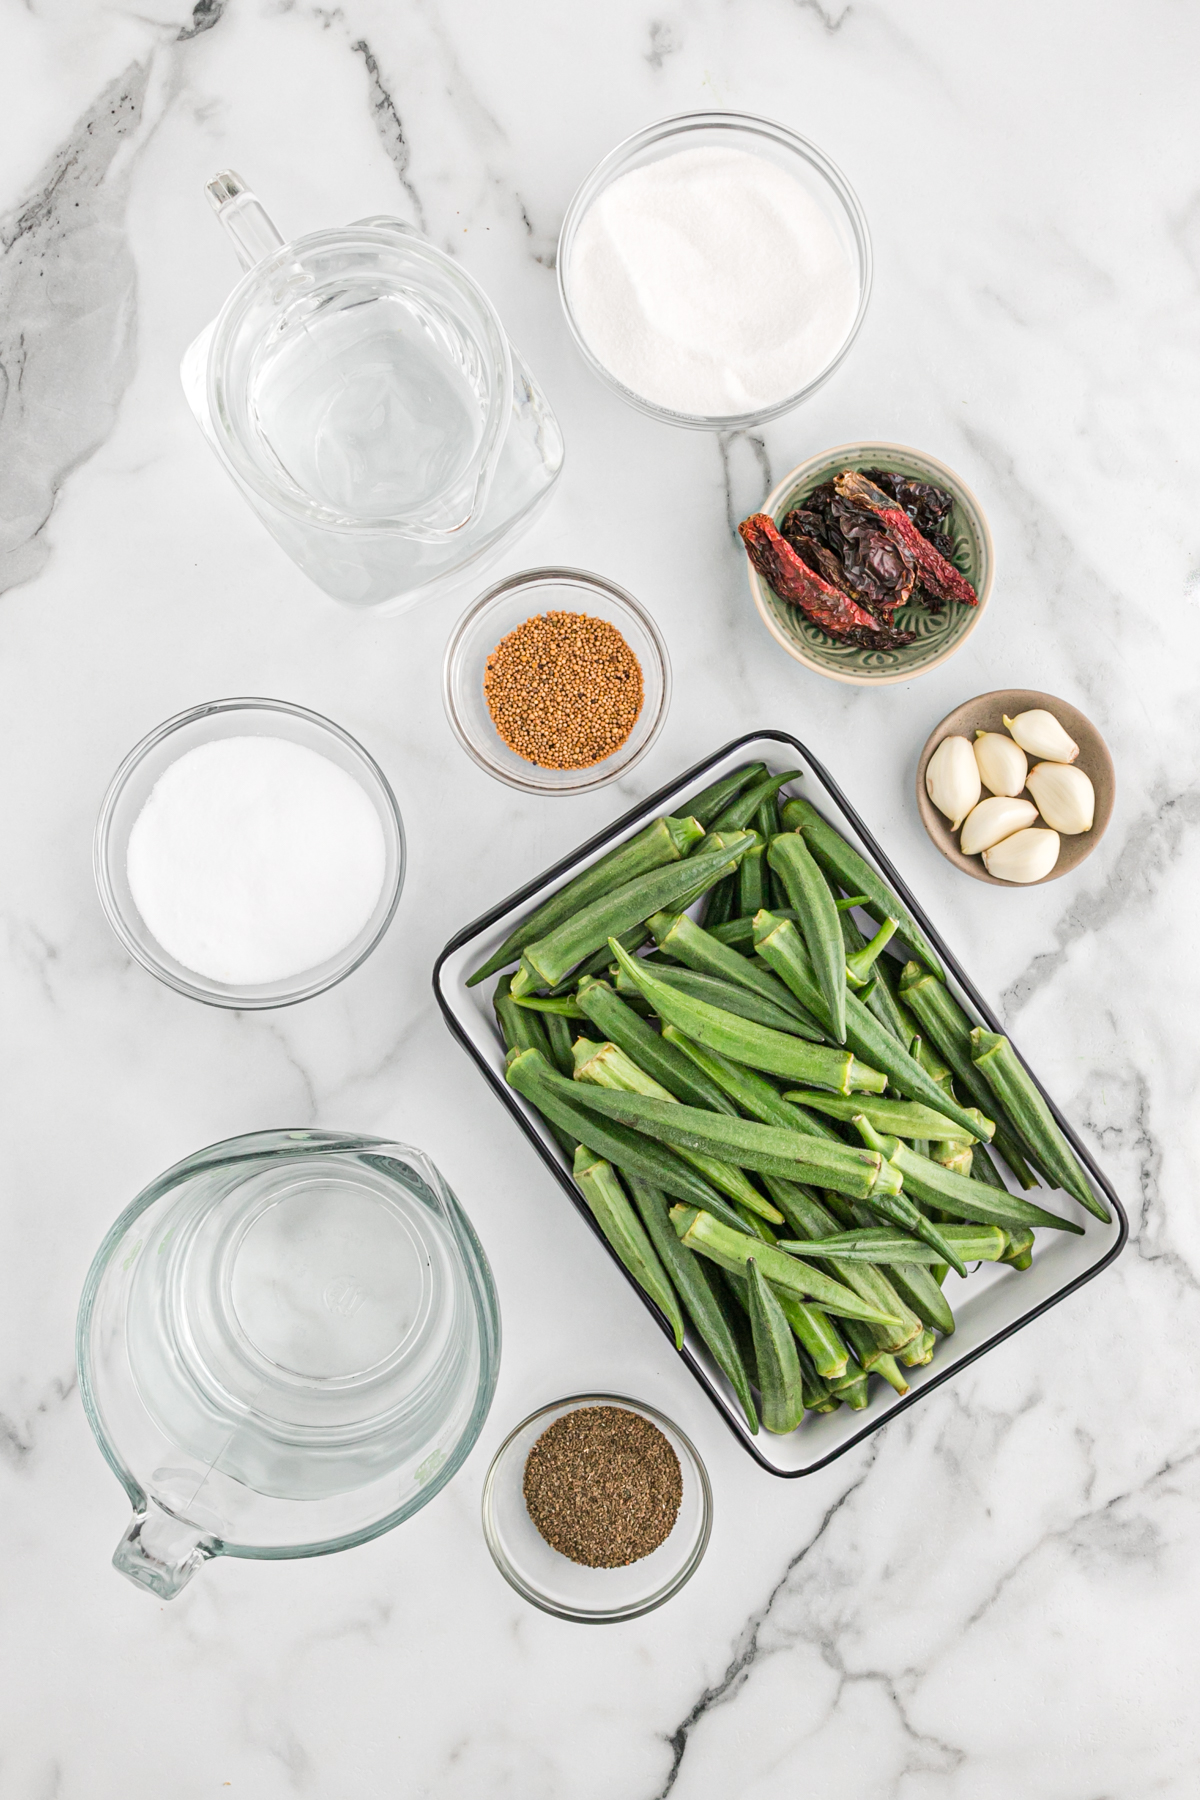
287, 1344
359, 388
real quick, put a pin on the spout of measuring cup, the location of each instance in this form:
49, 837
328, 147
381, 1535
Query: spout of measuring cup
244, 218
160, 1552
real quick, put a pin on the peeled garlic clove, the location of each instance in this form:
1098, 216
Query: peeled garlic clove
1002, 763
1025, 856
994, 819
1065, 797
1040, 733
952, 779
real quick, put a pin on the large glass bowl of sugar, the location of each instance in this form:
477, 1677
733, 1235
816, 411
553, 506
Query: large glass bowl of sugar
249, 853
287, 1344
714, 269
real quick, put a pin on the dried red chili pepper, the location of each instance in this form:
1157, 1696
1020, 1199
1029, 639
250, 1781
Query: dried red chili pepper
795, 582
938, 576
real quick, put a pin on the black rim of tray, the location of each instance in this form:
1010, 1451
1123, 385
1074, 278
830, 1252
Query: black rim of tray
500, 1087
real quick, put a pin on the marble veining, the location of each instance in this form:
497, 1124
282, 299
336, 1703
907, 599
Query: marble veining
996, 1595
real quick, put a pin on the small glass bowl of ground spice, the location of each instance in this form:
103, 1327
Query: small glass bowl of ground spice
556, 681
597, 1508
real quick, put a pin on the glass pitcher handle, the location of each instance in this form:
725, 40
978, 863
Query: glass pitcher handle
244, 218
160, 1552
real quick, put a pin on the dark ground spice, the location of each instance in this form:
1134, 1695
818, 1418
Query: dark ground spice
564, 690
603, 1486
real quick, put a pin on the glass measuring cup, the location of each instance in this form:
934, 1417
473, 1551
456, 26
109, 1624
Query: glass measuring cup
360, 390
287, 1344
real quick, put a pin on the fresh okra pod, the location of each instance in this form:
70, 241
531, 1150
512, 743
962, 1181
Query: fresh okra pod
700, 1231
941, 1189
608, 1205
695, 947
972, 1243
810, 898
524, 1030
606, 1065
843, 864
779, 944
545, 961
1018, 1247
663, 841
946, 1026
747, 1042
753, 1093
861, 1174
561, 1037
729, 996
1021, 1099
780, 1388
898, 1209
722, 901
903, 1118
688, 1275
667, 1062
632, 1152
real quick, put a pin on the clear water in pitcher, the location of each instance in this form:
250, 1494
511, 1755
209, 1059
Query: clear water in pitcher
309, 1331
373, 406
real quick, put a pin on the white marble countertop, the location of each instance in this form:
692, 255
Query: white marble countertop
995, 1596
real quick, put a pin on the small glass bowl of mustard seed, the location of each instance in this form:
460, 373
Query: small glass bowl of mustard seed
597, 1508
556, 681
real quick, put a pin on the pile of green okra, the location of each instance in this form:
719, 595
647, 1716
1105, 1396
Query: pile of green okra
816, 1103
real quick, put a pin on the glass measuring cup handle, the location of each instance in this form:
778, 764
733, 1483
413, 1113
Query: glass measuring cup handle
160, 1552
244, 217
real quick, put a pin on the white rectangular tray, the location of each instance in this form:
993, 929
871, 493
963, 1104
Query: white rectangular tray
996, 1301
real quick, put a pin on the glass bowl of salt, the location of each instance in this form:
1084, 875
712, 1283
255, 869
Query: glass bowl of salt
249, 853
714, 269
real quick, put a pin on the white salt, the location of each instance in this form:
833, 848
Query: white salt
711, 282
255, 859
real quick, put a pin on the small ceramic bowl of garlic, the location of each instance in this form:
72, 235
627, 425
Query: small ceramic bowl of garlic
1015, 787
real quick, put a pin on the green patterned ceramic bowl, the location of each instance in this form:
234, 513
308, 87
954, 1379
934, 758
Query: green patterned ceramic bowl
939, 635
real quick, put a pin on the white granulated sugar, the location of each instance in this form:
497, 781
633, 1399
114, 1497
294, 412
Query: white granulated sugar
711, 282
255, 859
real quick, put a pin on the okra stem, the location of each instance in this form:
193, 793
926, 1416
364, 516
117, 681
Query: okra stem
741, 810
